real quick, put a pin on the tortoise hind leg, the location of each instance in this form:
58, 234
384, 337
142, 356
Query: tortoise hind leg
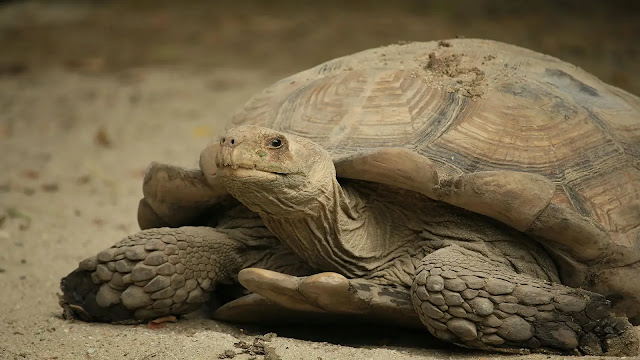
465, 298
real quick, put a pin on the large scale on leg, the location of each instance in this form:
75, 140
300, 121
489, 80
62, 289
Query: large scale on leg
385, 165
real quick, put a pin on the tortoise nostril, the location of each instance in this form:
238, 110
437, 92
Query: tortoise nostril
232, 141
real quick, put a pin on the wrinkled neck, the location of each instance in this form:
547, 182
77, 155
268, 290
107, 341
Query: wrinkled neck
318, 197
329, 231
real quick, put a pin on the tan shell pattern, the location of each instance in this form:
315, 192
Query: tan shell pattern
474, 105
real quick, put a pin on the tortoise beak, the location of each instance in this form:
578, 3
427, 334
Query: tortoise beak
228, 154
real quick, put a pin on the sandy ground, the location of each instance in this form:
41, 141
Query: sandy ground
79, 122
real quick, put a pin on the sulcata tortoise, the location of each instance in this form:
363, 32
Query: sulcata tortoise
481, 190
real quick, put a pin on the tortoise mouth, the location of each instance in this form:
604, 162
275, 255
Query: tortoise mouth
249, 171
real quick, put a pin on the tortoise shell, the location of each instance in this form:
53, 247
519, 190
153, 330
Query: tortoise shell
475, 105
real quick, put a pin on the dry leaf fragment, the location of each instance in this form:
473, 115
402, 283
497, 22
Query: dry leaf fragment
159, 322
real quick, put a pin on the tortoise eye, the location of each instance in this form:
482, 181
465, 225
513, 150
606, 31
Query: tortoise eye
275, 143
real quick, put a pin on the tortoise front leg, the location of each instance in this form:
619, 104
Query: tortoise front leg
174, 196
465, 298
164, 271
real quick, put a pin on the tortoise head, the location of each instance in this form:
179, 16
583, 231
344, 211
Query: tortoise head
269, 171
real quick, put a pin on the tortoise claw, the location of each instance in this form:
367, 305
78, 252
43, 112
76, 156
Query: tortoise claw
310, 293
255, 308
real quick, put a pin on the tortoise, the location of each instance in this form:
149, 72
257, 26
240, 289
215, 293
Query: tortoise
484, 191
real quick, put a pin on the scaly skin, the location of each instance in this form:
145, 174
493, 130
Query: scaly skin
463, 297
165, 271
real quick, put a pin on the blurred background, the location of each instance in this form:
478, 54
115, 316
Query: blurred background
283, 37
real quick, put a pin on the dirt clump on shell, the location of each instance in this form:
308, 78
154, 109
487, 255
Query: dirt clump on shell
469, 81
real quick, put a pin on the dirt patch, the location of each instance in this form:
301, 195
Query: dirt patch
256, 348
469, 80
